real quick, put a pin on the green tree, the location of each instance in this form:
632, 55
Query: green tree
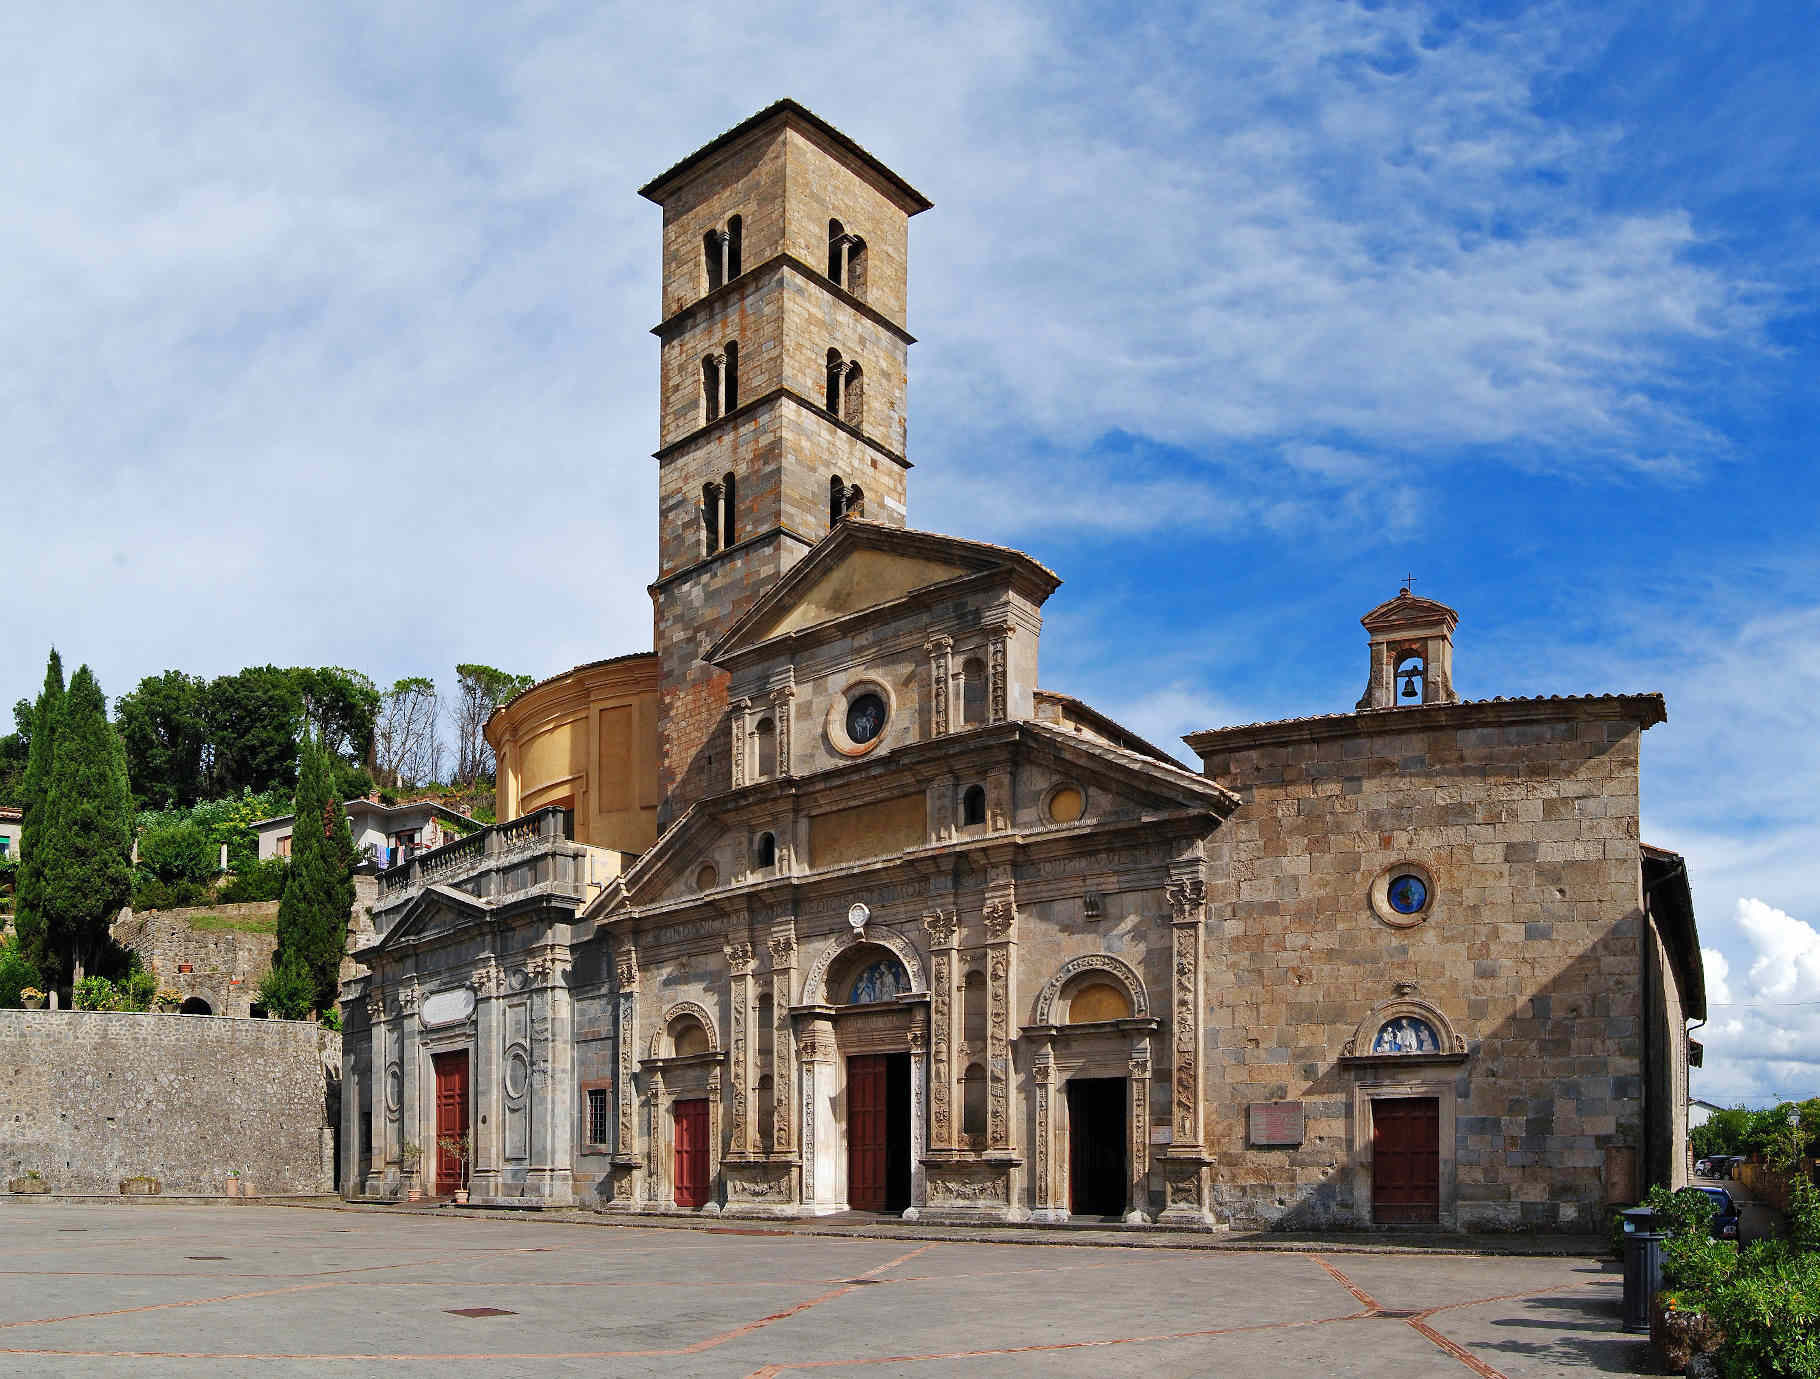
164, 725
254, 719
319, 885
1722, 1133
46, 716
339, 707
479, 690
88, 831
179, 852
15, 747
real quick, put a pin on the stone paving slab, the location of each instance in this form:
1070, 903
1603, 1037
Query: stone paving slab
111, 1290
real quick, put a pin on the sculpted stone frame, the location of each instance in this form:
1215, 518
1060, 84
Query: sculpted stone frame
1404, 1002
1098, 963
661, 1035
815, 984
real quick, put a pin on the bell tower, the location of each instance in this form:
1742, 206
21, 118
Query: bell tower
1411, 653
783, 372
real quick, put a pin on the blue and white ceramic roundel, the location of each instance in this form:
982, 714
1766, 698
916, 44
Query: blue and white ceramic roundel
1408, 894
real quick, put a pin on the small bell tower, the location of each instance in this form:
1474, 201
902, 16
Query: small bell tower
1411, 653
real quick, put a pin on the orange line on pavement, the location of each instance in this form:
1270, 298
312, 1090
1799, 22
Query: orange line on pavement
1365, 1299
160, 1306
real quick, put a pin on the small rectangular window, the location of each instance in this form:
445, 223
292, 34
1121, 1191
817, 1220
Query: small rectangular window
597, 1115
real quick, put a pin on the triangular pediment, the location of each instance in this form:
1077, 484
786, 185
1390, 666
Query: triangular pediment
436, 910
862, 565
1407, 609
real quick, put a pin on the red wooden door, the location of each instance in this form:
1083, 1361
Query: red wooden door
451, 1117
1406, 1161
691, 1153
868, 1132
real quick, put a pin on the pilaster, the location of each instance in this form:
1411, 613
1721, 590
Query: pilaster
943, 969
1185, 1165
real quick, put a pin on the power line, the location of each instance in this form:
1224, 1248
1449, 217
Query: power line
1758, 1005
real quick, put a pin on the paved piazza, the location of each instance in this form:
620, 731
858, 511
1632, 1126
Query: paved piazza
217, 1291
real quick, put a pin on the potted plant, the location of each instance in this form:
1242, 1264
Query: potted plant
461, 1148
31, 998
409, 1153
233, 1182
31, 1185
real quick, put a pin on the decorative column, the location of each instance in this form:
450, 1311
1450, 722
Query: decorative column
943, 965
386, 1097
919, 1110
783, 1072
781, 700
999, 700
410, 1084
1138, 1193
1185, 1165
489, 1107
816, 1052
940, 650
552, 1105
657, 1189
625, 1081
739, 718
740, 1044
712, 1207
1001, 997
1042, 1078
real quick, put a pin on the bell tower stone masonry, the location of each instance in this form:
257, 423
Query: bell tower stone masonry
784, 360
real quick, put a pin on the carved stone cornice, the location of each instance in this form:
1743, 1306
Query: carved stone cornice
740, 957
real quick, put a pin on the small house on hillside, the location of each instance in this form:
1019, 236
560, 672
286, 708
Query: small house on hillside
386, 834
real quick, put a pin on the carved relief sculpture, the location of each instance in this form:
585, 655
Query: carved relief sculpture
941, 671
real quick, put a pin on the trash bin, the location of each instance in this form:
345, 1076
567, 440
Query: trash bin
1642, 1265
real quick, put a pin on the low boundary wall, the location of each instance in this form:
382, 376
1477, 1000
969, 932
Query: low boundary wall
88, 1098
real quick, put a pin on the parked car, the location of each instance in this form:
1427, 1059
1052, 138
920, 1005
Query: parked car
1725, 1221
1703, 1168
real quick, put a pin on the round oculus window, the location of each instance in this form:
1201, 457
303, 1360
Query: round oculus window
865, 718
1407, 894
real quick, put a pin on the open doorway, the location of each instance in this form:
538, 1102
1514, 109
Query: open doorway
1097, 1170
878, 1132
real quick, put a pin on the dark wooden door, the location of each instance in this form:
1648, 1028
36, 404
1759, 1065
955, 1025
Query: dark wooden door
1097, 1177
451, 1117
868, 1131
691, 1153
1406, 1161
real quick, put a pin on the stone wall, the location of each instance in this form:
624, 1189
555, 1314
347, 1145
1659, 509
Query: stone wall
224, 966
1524, 817
92, 1097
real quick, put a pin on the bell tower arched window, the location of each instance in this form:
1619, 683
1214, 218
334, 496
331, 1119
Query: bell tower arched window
728, 529
710, 518
846, 259
720, 252
837, 501
710, 388
853, 396
1411, 677
837, 377
729, 376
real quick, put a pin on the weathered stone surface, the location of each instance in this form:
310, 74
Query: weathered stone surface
93, 1097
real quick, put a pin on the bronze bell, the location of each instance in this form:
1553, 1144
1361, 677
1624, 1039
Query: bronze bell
1409, 686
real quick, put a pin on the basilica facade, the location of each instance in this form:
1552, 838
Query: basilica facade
825, 904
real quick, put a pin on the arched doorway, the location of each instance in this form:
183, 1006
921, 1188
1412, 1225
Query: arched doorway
1090, 1065
878, 1084
195, 1005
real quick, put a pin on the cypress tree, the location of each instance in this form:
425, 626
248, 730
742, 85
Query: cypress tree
319, 883
88, 813
47, 717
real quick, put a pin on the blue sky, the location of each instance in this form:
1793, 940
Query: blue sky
319, 319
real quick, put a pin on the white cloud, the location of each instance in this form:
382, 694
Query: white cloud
1763, 1036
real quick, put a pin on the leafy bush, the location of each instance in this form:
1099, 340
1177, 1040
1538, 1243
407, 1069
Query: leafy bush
330, 1019
1770, 1313
149, 893
94, 993
16, 972
136, 991
255, 881
1696, 1264
287, 993
178, 852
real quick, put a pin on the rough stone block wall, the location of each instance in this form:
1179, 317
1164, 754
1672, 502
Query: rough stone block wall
823, 184
226, 965
92, 1097
1532, 950
748, 183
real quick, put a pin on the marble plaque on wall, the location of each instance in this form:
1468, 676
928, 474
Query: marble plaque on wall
1275, 1123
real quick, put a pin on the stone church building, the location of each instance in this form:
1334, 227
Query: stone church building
824, 904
